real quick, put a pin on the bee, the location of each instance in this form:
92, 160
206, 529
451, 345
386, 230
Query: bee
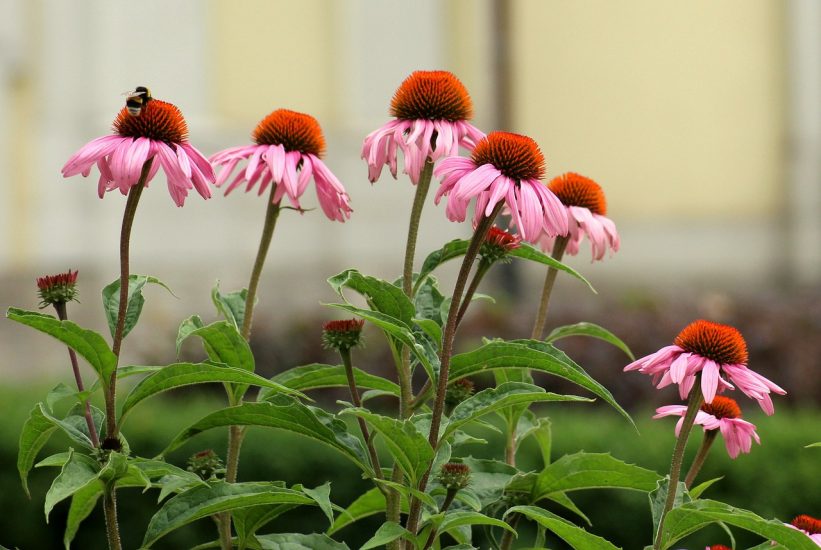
135, 101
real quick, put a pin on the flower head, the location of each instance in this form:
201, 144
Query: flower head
160, 135
809, 526
287, 152
586, 209
722, 414
711, 349
454, 476
498, 244
342, 335
60, 288
458, 391
206, 464
503, 167
432, 109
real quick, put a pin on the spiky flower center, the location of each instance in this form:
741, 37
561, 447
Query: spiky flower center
517, 157
807, 523
720, 343
432, 95
722, 407
294, 131
158, 120
454, 476
576, 190
342, 335
57, 288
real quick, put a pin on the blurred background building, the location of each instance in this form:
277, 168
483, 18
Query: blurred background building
701, 120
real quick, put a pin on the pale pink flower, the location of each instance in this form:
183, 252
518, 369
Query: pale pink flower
432, 109
160, 133
807, 525
722, 414
287, 153
586, 209
710, 349
507, 168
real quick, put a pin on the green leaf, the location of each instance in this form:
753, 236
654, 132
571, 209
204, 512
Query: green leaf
575, 536
88, 344
248, 520
658, 500
428, 301
451, 250
223, 343
459, 518
183, 374
381, 296
407, 445
565, 502
529, 252
590, 471
488, 478
231, 305
220, 496
813, 445
316, 375
322, 496
62, 391
492, 399
285, 413
693, 516
76, 473
699, 489
367, 504
36, 432
591, 330
388, 532
135, 301
540, 429
529, 354
298, 541
83, 502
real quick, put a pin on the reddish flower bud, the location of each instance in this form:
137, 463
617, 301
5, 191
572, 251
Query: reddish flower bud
342, 335
60, 288
454, 476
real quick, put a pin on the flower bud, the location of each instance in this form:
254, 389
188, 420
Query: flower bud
458, 392
342, 335
206, 464
497, 245
60, 288
454, 476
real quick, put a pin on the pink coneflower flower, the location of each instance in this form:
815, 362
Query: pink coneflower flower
289, 146
586, 209
431, 109
158, 133
807, 525
503, 167
711, 349
722, 414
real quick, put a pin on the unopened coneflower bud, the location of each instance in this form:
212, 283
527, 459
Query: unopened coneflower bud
206, 464
498, 244
458, 392
342, 335
60, 288
112, 444
454, 476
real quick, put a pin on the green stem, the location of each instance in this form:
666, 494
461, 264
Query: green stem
507, 538
694, 402
449, 496
701, 456
558, 251
510, 447
474, 284
357, 401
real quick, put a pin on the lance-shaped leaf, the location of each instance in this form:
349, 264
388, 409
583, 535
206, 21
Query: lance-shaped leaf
529, 252
493, 399
460, 518
90, 345
529, 354
285, 413
183, 374
387, 532
488, 478
203, 501
590, 471
83, 502
36, 432
575, 536
367, 504
316, 375
593, 331
658, 499
248, 520
381, 296
407, 445
299, 541
76, 473
453, 249
231, 305
222, 341
135, 301
693, 516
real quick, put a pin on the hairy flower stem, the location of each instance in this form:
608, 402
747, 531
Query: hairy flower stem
481, 269
357, 401
693, 403
507, 538
449, 496
701, 456
111, 527
510, 447
558, 251
62, 314
448, 336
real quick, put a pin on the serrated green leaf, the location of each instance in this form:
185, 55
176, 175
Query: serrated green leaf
90, 345
575, 536
285, 413
298, 541
231, 305
693, 516
529, 354
36, 432
203, 501
565, 502
75, 474
428, 301
381, 296
658, 500
322, 496
493, 399
453, 249
387, 532
592, 330
183, 374
316, 375
589, 471
135, 301
83, 502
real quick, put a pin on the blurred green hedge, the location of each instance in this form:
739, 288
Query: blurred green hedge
779, 479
